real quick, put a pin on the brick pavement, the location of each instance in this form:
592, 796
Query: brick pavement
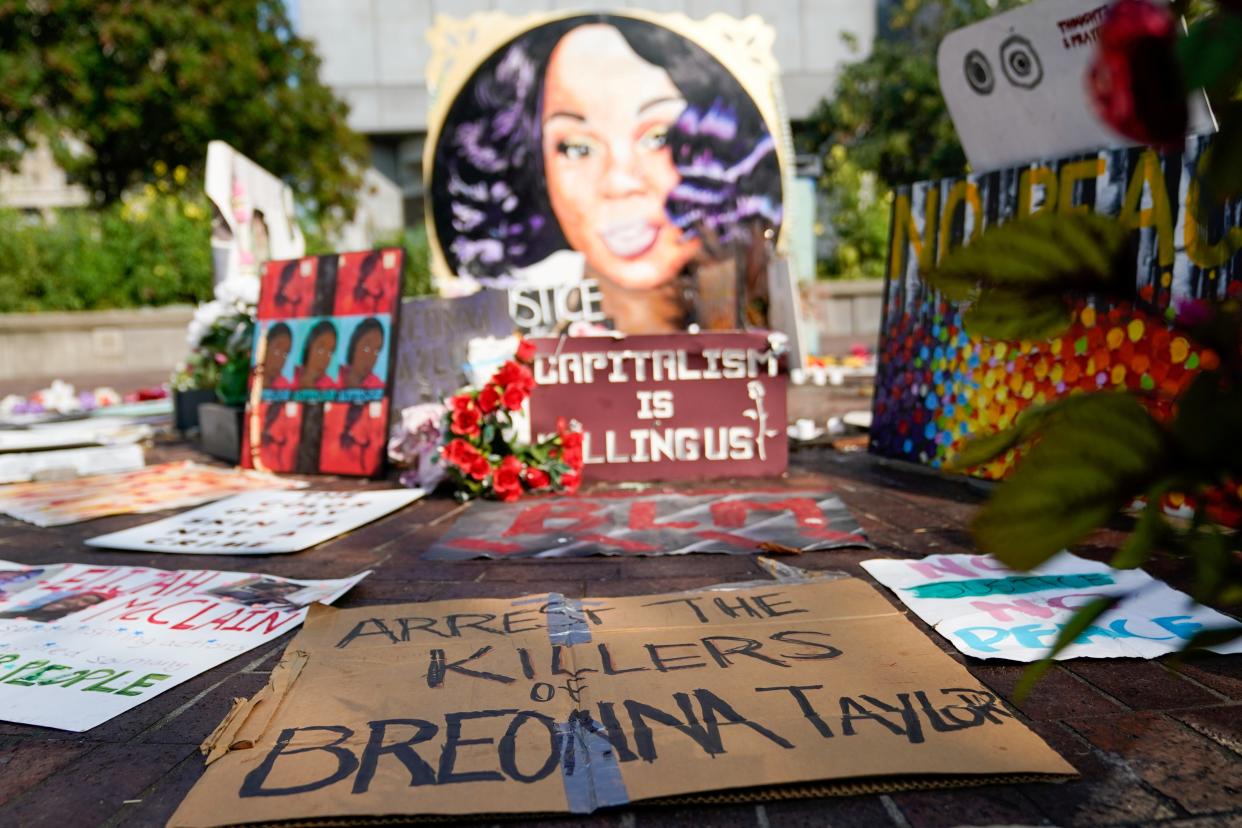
1156, 743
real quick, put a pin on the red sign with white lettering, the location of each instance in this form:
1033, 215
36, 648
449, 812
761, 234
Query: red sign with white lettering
666, 407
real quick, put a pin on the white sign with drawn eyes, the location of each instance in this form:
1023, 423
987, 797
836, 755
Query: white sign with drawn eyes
1016, 85
260, 523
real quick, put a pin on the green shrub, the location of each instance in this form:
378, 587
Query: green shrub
153, 249
858, 207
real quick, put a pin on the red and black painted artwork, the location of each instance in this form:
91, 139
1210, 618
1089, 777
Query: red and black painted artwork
732, 523
323, 360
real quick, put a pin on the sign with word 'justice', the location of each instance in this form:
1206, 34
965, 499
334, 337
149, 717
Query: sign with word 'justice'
552, 704
666, 407
989, 611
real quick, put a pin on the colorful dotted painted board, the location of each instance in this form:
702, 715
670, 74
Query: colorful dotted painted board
937, 386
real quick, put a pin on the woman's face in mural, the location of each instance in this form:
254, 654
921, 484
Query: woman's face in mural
366, 352
274, 358
319, 356
606, 117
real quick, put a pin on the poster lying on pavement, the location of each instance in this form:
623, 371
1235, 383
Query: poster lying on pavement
733, 523
989, 611
151, 489
68, 463
97, 432
551, 704
260, 523
80, 644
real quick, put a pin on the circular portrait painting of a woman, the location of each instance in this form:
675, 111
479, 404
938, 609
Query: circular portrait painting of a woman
610, 136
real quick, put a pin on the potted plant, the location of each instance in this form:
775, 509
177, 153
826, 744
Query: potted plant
210, 385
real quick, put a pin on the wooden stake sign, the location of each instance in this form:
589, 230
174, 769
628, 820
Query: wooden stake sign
666, 407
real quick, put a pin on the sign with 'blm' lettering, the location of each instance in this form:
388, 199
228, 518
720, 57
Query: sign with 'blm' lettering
551, 704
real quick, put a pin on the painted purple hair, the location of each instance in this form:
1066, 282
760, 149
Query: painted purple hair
488, 196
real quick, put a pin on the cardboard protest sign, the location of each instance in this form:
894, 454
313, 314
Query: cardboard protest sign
675, 407
260, 523
322, 364
1016, 84
937, 386
79, 462
668, 523
151, 489
432, 350
551, 704
80, 644
989, 611
644, 157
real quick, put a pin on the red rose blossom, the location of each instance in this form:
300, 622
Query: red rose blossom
513, 398
489, 399
536, 478
460, 453
515, 375
466, 421
570, 481
480, 468
525, 351
1135, 81
507, 481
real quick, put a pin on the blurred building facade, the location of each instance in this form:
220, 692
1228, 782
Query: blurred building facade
375, 51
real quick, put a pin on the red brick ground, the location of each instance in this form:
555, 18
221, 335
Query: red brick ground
1155, 743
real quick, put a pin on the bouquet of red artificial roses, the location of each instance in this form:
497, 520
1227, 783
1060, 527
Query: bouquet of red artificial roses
482, 452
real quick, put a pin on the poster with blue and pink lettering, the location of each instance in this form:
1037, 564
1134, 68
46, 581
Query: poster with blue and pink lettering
80, 644
989, 611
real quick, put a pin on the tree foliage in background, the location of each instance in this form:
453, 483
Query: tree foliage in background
113, 85
855, 219
151, 249
889, 117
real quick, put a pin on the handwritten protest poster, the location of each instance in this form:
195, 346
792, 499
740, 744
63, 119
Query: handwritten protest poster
152, 489
260, 523
80, 644
551, 704
432, 350
989, 611
669, 407
669, 523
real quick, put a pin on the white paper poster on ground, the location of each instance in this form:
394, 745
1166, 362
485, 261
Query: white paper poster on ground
260, 523
1015, 85
80, 644
68, 463
989, 611
100, 432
